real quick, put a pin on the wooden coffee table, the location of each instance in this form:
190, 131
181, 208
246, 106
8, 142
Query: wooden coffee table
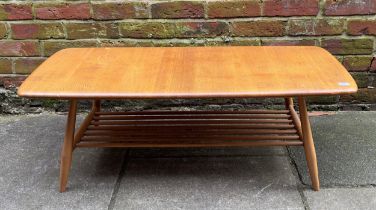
189, 72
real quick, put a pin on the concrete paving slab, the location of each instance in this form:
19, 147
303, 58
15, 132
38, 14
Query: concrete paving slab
346, 149
29, 167
200, 152
342, 198
208, 183
228, 178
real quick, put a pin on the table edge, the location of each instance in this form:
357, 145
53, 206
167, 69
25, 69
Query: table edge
186, 95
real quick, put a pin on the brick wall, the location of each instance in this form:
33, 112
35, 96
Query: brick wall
30, 31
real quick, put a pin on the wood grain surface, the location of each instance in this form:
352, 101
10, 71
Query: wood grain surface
188, 72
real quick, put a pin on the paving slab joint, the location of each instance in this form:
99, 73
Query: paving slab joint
300, 186
371, 185
118, 180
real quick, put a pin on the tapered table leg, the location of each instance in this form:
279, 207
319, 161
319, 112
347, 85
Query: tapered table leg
288, 103
66, 153
309, 146
96, 108
97, 105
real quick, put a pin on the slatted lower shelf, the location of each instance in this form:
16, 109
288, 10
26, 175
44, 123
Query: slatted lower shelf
190, 129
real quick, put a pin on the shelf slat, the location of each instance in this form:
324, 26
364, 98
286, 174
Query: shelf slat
190, 129
201, 144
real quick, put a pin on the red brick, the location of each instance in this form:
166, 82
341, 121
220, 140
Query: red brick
9, 82
3, 30
201, 29
5, 66
92, 30
291, 7
373, 65
56, 11
348, 46
50, 47
27, 65
119, 10
303, 42
360, 27
173, 29
315, 27
350, 7
222, 9
19, 48
362, 79
178, 9
37, 31
357, 63
258, 28
364, 95
15, 12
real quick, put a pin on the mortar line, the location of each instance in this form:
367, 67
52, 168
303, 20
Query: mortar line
115, 191
185, 19
310, 37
